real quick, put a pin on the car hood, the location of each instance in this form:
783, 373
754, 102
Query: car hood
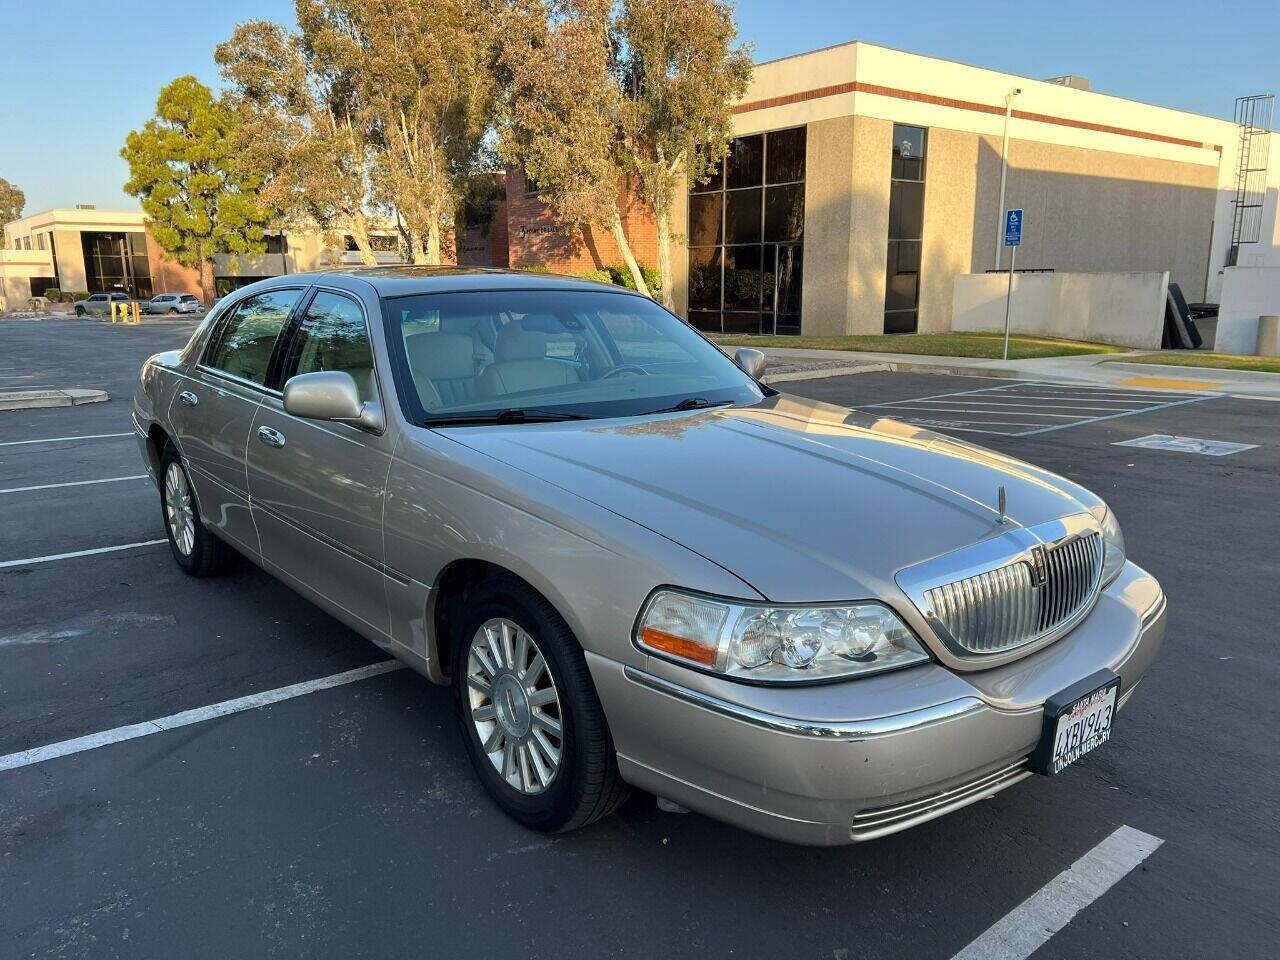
804, 501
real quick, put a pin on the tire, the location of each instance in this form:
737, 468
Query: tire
197, 551
79, 311
586, 785
173, 309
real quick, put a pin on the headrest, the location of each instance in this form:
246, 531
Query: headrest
440, 356
457, 324
516, 343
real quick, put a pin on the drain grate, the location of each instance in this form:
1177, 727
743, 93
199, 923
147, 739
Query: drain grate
1164, 441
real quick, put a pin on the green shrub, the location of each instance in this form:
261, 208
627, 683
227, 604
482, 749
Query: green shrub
622, 278
53, 295
71, 296
600, 276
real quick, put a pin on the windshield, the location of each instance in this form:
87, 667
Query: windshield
551, 354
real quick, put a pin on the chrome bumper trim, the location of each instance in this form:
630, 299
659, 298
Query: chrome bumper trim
882, 821
831, 730
1155, 611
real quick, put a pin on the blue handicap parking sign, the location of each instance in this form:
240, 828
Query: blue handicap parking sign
1012, 228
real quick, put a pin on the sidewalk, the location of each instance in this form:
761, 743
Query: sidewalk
1106, 370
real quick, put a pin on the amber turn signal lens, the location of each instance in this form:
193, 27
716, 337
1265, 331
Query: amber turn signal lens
678, 646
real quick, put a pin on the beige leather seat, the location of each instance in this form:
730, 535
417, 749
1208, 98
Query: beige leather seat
443, 366
520, 363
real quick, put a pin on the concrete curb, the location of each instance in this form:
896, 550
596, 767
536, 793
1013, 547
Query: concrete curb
823, 373
38, 399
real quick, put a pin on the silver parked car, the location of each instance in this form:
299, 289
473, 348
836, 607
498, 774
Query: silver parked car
173, 303
637, 565
99, 304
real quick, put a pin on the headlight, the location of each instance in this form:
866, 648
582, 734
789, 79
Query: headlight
776, 644
1112, 543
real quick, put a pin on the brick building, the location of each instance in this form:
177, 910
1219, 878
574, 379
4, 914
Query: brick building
535, 239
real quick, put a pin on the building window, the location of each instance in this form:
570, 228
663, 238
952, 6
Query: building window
906, 230
40, 241
746, 234
117, 263
275, 243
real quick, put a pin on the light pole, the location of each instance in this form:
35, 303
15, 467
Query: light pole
1004, 170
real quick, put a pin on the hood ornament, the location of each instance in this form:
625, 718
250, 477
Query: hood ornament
1000, 503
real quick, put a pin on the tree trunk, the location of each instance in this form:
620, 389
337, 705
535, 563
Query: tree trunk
664, 260
433, 241
628, 257
208, 289
416, 253
360, 233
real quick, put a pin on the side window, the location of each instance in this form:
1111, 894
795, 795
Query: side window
244, 345
332, 336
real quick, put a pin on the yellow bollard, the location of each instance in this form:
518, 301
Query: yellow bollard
136, 316
113, 311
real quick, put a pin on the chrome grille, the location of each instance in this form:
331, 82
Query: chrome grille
1002, 608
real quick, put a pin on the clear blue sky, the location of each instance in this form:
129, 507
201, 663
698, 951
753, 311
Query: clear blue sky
69, 96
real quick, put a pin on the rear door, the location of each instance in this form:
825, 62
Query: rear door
213, 410
317, 487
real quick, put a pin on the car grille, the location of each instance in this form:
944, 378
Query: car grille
1003, 608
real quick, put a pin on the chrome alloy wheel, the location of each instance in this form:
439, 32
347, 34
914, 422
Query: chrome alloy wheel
515, 706
178, 510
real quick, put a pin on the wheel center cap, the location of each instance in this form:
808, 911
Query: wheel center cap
511, 705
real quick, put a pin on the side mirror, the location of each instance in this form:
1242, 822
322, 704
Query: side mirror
331, 395
751, 361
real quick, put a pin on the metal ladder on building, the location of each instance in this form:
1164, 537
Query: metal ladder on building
1253, 116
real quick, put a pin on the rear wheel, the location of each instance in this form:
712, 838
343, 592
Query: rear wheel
531, 719
79, 311
197, 551
173, 309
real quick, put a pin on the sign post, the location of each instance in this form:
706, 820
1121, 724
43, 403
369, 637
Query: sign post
1012, 238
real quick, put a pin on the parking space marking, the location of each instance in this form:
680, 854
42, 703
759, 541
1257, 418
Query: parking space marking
1029, 926
133, 731
73, 483
1024, 408
77, 553
87, 436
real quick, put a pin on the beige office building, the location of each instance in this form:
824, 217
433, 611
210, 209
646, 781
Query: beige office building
863, 180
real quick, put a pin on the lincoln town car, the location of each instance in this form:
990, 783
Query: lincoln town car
635, 564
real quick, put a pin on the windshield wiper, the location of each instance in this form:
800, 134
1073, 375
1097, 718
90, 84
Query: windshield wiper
693, 403
510, 415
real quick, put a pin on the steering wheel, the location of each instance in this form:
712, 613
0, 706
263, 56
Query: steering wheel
626, 368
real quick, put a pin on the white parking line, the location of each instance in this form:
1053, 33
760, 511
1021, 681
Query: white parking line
1029, 926
87, 436
73, 483
77, 553
1006, 409
65, 748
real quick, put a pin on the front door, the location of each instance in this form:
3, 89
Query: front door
214, 408
317, 487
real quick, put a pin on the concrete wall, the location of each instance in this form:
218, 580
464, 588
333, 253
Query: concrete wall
1126, 309
1247, 293
846, 225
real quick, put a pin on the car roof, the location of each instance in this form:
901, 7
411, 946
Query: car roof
394, 281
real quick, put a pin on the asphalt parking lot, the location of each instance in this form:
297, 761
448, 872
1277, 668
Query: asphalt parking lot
347, 823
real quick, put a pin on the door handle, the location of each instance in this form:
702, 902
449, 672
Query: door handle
272, 438
189, 398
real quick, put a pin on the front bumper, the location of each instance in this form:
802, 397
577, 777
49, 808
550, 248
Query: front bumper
853, 761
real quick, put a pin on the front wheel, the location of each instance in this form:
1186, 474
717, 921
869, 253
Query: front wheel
197, 551
79, 311
531, 720
173, 309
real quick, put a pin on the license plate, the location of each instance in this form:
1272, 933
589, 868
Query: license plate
1076, 721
